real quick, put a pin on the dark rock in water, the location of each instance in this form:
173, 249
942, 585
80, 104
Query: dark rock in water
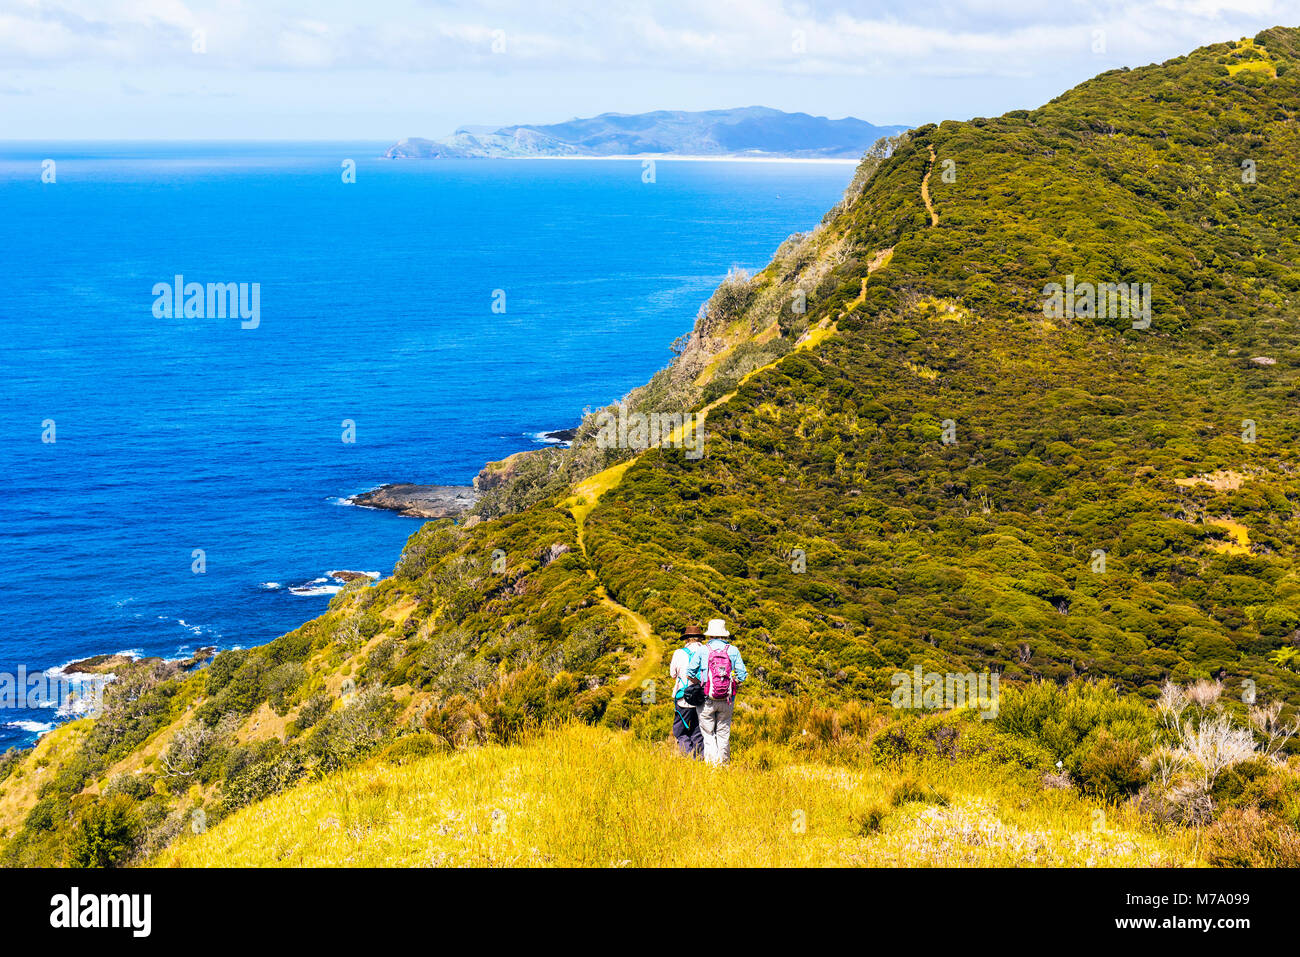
198, 658
349, 576
562, 435
419, 501
105, 664
118, 664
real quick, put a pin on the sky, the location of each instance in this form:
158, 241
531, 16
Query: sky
385, 69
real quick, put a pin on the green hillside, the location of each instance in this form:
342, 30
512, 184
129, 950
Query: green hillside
907, 462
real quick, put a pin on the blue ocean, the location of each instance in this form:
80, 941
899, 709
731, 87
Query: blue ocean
173, 482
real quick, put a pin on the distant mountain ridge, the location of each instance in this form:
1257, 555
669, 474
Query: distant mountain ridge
745, 131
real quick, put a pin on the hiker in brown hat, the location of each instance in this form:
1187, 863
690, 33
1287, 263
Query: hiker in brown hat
687, 694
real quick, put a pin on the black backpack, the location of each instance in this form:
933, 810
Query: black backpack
694, 693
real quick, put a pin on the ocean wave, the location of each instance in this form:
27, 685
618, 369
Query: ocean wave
270, 586
328, 584
32, 727
311, 591
82, 704
198, 631
545, 438
317, 586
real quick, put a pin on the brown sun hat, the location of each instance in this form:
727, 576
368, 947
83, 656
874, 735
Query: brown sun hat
692, 631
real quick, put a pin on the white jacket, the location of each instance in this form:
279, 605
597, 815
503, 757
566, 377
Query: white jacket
677, 668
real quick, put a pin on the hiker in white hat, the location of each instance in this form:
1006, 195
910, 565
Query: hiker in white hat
720, 669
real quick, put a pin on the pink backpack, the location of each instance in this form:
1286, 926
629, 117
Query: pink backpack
718, 683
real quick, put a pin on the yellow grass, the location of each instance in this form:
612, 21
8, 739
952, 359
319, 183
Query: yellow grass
940, 310
1240, 545
588, 493
922, 371
1260, 66
584, 796
1224, 480
18, 792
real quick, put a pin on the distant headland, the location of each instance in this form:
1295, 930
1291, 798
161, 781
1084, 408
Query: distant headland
751, 132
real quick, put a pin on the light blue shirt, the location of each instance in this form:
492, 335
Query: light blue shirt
699, 665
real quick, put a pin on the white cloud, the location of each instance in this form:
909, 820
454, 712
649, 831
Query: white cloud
725, 36
386, 68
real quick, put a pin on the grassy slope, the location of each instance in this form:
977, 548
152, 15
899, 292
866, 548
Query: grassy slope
582, 796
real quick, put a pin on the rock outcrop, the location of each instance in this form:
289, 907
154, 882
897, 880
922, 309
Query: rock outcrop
419, 501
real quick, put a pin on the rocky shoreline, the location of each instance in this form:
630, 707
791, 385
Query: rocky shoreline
110, 664
419, 501
449, 501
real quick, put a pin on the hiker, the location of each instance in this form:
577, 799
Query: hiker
687, 694
719, 668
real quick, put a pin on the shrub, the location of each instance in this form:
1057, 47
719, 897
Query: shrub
223, 668
45, 814
281, 683
8, 761
953, 736
457, 722
871, 820
1246, 837
353, 731
527, 700
105, 834
312, 710
261, 772
1111, 768
910, 790
1067, 720
823, 726
239, 694
412, 747
186, 752
138, 787
379, 663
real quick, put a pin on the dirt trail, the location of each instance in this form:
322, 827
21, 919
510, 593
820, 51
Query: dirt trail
585, 496
925, 190
587, 493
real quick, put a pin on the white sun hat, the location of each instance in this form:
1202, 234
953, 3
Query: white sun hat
717, 629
